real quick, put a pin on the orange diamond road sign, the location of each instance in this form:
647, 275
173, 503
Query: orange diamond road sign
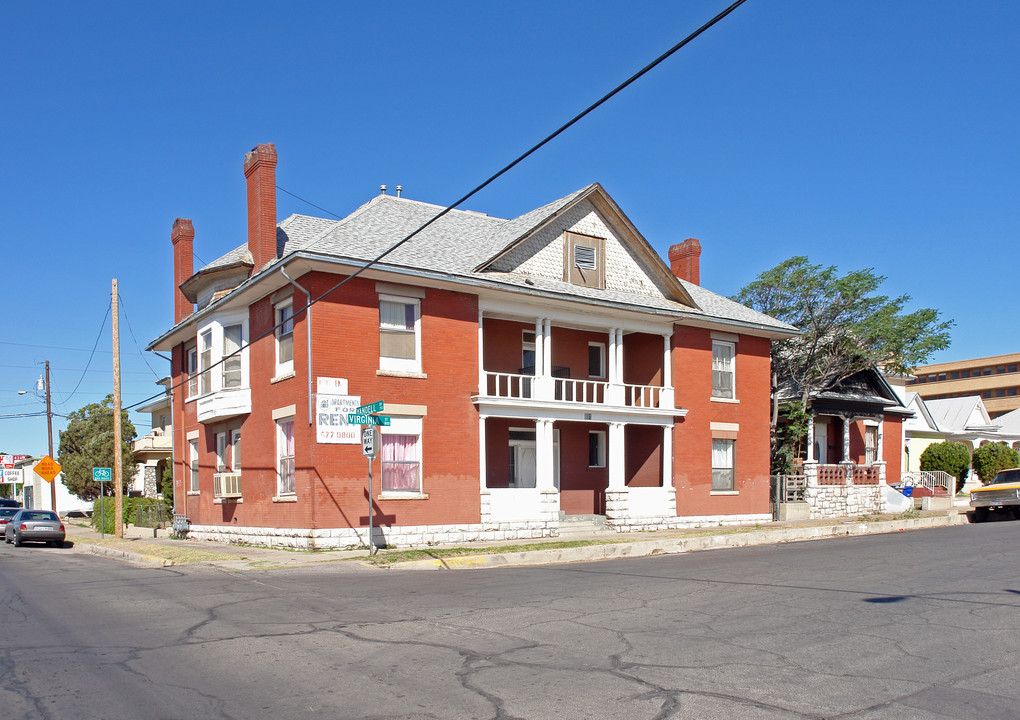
47, 469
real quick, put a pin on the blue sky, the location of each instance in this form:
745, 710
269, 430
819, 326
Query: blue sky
863, 134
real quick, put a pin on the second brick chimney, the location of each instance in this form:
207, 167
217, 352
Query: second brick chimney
183, 239
260, 172
685, 260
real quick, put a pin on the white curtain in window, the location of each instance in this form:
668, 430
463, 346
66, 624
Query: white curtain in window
231, 365
396, 315
400, 462
286, 456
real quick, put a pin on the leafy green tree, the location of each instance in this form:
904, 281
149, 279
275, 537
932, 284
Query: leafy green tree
949, 457
990, 458
88, 442
789, 438
846, 326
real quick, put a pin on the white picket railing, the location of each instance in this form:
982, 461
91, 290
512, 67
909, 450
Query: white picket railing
515, 386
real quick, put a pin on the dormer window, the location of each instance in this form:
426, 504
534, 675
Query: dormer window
584, 260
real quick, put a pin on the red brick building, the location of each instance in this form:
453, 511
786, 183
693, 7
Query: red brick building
532, 368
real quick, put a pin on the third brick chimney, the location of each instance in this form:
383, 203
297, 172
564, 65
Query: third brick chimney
260, 172
685, 260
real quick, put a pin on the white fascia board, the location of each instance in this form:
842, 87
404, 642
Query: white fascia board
568, 314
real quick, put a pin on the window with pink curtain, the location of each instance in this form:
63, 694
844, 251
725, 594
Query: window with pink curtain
285, 456
401, 463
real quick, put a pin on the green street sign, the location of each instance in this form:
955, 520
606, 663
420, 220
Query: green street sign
102, 475
370, 409
357, 419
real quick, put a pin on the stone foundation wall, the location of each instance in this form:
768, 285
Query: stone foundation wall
831, 501
350, 538
674, 522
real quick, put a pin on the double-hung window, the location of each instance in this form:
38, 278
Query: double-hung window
285, 456
284, 338
722, 464
232, 338
723, 369
400, 456
205, 361
399, 334
221, 452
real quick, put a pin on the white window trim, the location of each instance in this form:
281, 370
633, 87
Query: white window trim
190, 352
235, 444
214, 327
221, 452
403, 365
283, 369
406, 425
732, 468
601, 460
193, 467
602, 361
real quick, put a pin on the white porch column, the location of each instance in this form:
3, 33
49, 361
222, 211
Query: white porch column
619, 356
847, 463
667, 456
483, 386
611, 370
539, 347
481, 452
667, 370
881, 433
617, 467
811, 440
544, 476
547, 346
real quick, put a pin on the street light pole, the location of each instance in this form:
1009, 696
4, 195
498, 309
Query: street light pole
49, 434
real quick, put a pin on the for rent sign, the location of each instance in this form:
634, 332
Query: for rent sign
331, 411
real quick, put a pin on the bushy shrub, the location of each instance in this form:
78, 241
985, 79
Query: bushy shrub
990, 458
103, 510
950, 457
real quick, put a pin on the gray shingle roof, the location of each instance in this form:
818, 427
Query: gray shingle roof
462, 243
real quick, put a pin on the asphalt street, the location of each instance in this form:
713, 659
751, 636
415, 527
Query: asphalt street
920, 624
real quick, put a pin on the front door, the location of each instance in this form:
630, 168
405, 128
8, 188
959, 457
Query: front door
522, 463
821, 443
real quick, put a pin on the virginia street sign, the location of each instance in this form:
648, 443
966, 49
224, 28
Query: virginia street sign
356, 419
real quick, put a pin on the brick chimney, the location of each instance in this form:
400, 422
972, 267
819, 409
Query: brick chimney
183, 239
685, 260
260, 172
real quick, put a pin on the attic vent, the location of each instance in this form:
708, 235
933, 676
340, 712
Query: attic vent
584, 257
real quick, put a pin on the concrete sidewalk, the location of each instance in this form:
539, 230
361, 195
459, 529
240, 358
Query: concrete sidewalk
140, 547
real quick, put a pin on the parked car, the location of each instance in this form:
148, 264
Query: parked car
6, 513
8, 502
35, 525
1002, 493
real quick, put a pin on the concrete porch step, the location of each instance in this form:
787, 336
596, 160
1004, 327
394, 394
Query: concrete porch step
583, 525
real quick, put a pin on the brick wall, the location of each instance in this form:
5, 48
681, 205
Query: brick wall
692, 439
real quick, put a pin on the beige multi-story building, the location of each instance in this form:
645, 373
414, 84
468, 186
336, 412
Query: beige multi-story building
996, 379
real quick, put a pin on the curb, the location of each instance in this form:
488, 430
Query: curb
676, 545
122, 555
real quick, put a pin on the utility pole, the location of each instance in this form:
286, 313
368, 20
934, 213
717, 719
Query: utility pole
118, 470
49, 435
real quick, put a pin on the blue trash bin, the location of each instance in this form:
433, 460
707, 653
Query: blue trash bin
909, 490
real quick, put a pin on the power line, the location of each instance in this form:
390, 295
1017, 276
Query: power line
92, 355
132, 332
519, 159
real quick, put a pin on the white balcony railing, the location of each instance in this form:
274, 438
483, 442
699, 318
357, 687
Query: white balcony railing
227, 485
513, 386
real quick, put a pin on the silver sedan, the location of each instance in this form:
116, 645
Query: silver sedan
35, 525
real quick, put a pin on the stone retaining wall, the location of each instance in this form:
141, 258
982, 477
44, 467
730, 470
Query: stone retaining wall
832, 501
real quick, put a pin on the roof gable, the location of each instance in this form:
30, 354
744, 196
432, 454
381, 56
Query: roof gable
534, 245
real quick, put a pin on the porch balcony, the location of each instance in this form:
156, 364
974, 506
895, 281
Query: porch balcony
521, 387
223, 404
575, 368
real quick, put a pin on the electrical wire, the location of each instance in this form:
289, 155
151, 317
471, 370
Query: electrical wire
514, 163
91, 355
132, 332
